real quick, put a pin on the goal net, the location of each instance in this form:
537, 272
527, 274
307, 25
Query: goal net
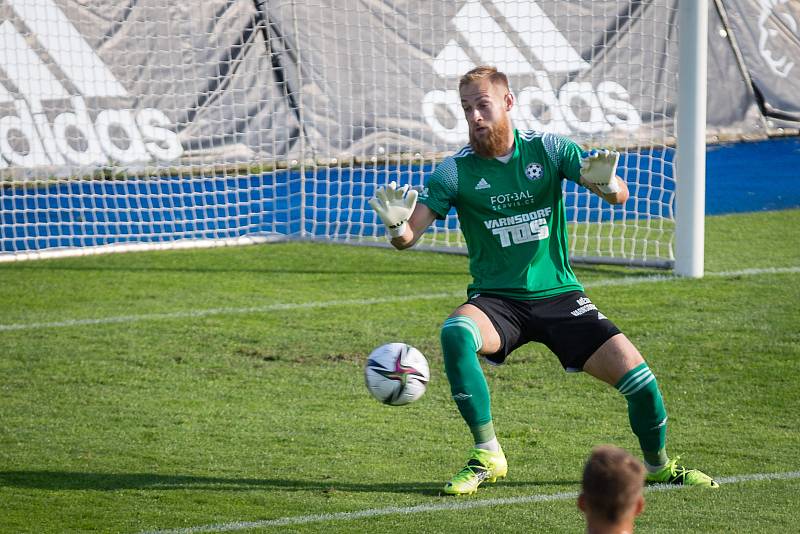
129, 126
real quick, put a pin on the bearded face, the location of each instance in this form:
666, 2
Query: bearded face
486, 106
492, 141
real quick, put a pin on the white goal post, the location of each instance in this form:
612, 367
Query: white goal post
135, 126
691, 188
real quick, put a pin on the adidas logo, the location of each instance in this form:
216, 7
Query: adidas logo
494, 46
520, 39
771, 53
49, 65
483, 184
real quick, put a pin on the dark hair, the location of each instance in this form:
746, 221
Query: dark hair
612, 481
482, 72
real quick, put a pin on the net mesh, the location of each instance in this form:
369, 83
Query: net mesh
124, 125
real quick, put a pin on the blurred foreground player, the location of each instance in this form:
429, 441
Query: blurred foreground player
611, 492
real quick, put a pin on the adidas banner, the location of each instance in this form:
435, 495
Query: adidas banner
767, 33
116, 84
155, 87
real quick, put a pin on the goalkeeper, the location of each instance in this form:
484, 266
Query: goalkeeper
506, 188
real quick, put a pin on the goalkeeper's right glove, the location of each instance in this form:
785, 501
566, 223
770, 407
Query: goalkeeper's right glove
394, 206
600, 168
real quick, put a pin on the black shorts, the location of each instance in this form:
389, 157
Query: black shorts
569, 324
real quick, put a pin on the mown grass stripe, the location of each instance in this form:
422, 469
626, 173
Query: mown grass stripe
223, 311
125, 319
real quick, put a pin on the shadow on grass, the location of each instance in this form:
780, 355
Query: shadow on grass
63, 480
586, 273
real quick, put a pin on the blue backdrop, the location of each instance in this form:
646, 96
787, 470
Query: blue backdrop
740, 177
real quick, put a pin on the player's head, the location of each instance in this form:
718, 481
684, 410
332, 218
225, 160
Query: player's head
486, 100
611, 495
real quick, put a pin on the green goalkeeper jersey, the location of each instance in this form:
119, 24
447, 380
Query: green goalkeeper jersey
512, 214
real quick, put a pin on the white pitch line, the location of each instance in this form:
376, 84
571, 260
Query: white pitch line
451, 505
224, 311
630, 280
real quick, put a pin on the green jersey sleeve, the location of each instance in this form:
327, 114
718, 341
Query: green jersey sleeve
441, 188
565, 155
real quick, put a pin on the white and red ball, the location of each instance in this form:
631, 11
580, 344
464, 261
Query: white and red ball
396, 374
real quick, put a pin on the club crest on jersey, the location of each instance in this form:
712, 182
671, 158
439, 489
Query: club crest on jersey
534, 171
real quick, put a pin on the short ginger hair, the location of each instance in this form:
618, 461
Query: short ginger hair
613, 480
482, 72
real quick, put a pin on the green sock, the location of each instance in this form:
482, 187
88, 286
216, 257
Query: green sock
646, 412
461, 340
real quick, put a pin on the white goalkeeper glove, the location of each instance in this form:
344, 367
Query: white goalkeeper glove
599, 167
394, 206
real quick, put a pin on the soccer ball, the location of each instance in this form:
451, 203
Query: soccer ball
396, 374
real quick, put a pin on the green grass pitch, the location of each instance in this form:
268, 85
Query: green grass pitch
222, 389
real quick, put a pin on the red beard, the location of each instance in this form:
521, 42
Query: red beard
495, 143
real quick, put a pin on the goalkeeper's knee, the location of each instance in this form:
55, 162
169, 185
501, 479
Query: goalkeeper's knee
461, 338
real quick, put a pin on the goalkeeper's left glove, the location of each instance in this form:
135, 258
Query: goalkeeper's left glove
599, 167
394, 206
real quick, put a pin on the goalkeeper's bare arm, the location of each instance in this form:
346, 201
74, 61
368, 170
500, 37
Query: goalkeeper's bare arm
599, 175
618, 197
405, 220
420, 220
